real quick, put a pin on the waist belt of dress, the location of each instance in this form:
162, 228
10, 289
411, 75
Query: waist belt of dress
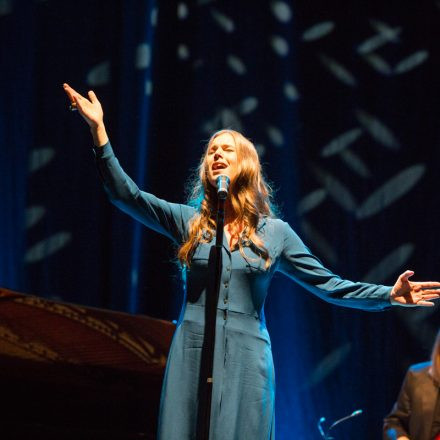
197, 312
235, 321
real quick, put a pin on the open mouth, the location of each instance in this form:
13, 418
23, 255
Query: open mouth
218, 166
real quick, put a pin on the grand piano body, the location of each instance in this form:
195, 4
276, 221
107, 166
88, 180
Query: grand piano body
74, 372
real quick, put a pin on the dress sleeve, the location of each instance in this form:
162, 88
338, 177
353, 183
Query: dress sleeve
396, 423
169, 219
298, 263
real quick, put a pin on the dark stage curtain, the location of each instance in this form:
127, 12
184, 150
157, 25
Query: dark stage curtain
16, 133
341, 99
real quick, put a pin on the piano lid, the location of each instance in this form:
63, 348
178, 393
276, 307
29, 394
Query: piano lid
49, 331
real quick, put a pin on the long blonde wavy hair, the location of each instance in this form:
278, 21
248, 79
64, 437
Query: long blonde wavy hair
250, 198
435, 358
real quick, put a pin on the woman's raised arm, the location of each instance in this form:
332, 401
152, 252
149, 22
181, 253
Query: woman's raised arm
169, 219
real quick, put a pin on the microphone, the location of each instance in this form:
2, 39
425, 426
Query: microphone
358, 412
326, 435
222, 182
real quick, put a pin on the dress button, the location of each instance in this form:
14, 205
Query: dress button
228, 268
225, 300
226, 285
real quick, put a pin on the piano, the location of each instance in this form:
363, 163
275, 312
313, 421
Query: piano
73, 372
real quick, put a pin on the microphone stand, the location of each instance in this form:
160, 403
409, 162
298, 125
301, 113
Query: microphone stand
206, 382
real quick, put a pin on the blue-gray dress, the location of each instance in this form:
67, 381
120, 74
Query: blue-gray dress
243, 379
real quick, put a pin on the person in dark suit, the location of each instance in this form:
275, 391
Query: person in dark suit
416, 414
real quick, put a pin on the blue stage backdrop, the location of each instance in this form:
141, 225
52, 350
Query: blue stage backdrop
342, 102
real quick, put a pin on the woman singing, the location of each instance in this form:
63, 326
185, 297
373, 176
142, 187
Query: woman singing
256, 245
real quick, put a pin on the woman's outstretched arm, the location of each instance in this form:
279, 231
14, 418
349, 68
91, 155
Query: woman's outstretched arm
301, 265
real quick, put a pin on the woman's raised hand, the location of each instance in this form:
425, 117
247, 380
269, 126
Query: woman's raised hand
91, 111
414, 293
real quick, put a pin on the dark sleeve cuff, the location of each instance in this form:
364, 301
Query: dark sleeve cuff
104, 151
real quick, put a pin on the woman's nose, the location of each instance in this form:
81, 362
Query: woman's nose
217, 156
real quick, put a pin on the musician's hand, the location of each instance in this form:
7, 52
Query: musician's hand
414, 293
91, 111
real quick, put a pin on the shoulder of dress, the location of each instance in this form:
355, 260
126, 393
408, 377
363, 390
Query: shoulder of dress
274, 222
269, 225
279, 226
188, 209
188, 213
